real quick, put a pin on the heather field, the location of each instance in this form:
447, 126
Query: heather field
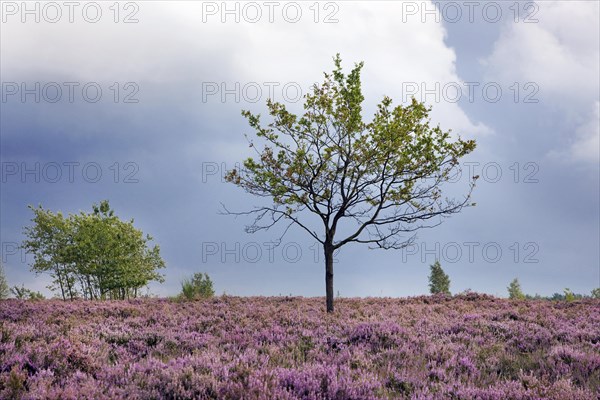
463, 347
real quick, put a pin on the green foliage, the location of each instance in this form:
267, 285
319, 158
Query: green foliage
398, 140
596, 293
199, 286
569, 296
439, 282
4, 289
514, 290
22, 293
92, 255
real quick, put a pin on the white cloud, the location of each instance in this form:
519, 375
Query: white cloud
561, 53
588, 139
171, 45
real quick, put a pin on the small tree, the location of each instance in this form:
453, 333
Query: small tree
345, 180
95, 255
596, 293
4, 289
439, 282
569, 295
514, 290
199, 286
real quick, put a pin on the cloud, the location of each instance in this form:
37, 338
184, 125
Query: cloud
561, 54
586, 141
186, 46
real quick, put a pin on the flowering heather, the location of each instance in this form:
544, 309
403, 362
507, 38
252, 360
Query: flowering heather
466, 347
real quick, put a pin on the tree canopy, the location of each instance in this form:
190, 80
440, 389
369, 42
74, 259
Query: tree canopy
92, 255
514, 290
439, 281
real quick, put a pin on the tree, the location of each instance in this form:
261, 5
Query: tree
439, 282
95, 255
596, 293
198, 286
4, 289
514, 290
366, 182
569, 295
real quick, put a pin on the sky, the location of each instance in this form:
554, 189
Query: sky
140, 103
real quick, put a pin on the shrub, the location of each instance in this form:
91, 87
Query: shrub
4, 290
199, 286
514, 290
569, 296
596, 293
439, 282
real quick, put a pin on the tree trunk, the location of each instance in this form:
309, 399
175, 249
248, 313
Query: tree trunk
60, 281
70, 287
328, 248
89, 287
